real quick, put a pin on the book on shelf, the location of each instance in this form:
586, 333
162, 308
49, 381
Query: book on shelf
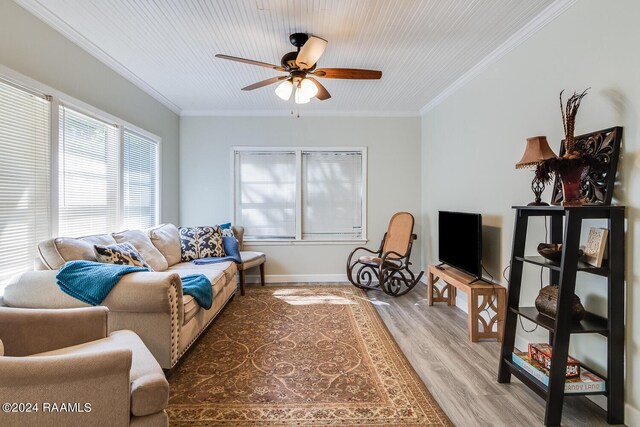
587, 382
595, 247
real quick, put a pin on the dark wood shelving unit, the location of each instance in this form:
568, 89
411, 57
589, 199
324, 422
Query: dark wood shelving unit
582, 266
566, 224
591, 324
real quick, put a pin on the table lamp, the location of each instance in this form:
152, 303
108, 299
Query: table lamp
537, 151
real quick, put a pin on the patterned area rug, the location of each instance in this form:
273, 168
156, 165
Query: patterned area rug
299, 356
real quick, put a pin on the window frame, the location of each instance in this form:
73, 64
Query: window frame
298, 150
58, 98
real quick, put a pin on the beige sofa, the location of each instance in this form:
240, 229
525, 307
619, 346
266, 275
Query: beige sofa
149, 303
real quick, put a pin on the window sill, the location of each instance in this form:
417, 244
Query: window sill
250, 243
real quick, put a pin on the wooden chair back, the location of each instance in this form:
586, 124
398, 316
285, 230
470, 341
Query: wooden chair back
399, 234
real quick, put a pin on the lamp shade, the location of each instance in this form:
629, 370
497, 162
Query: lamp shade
537, 151
308, 89
284, 89
299, 97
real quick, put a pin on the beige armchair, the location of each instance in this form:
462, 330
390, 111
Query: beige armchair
250, 259
63, 361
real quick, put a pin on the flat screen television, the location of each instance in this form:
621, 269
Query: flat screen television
460, 241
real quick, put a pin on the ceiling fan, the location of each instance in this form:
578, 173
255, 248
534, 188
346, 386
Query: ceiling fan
301, 68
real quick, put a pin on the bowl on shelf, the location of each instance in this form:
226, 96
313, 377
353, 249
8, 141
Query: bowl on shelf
553, 251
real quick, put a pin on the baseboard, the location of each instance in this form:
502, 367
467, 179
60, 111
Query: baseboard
631, 415
293, 278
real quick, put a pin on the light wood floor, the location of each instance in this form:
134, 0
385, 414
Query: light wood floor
461, 375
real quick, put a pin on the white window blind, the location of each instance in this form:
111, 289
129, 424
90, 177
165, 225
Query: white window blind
266, 193
331, 195
88, 175
24, 177
140, 176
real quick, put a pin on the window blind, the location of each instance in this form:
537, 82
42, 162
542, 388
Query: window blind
88, 175
140, 181
331, 195
266, 194
24, 177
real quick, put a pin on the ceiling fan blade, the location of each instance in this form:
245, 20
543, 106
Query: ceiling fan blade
347, 73
265, 83
310, 52
250, 61
323, 93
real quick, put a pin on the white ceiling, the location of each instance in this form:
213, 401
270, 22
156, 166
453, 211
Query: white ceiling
424, 48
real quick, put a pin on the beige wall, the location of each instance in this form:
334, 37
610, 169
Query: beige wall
471, 142
34, 49
393, 175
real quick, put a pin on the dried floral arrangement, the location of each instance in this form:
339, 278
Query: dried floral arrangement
573, 157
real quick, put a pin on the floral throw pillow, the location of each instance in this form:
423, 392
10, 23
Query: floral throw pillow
227, 231
121, 253
201, 242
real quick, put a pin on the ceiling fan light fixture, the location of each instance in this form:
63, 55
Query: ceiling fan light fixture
299, 97
284, 89
307, 88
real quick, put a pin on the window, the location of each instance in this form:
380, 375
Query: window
24, 177
140, 175
88, 174
332, 195
266, 196
67, 172
308, 194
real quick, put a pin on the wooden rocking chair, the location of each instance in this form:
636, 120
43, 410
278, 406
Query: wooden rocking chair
388, 268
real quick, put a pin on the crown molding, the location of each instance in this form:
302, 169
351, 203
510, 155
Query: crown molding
536, 24
294, 113
51, 19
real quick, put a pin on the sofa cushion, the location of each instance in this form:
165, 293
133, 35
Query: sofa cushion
216, 276
120, 253
143, 244
191, 308
166, 238
227, 267
149, 387
55, 252
201, 242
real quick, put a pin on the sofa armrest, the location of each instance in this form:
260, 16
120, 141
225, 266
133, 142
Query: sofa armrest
30, 331
146, 292
98, 379
38, 289
151, 305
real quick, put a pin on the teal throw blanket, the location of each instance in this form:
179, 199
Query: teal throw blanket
91, 281
199, 287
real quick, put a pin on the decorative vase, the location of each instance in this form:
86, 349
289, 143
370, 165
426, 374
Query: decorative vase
571, 180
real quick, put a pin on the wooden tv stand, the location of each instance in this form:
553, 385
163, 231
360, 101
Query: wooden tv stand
493, 298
